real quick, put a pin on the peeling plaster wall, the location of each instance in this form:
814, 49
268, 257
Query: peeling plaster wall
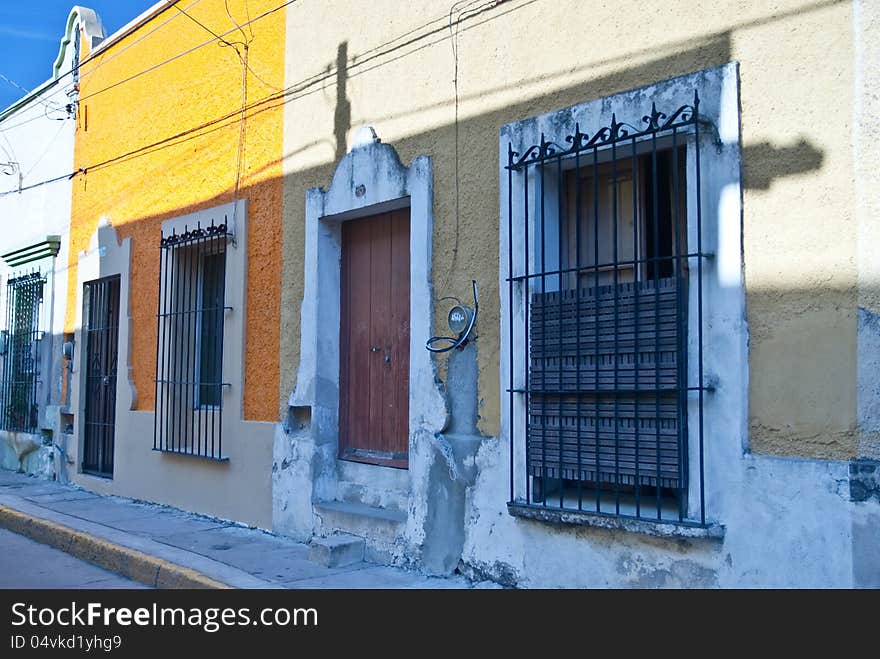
789, 523
445, 91
866, 155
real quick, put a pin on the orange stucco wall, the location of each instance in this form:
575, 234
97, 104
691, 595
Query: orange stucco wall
157, 144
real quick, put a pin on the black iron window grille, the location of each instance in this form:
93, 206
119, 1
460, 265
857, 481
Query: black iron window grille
21, 343
189, 355
605, 320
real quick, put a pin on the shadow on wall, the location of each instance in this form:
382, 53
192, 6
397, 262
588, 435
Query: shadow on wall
475, 233
765, 162
342, 115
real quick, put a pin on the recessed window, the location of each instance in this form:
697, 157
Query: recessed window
602, 262
189, 359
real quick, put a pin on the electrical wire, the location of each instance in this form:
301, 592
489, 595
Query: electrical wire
176, 57
455, 342
37, 185
26, 91
461, 7
286, 95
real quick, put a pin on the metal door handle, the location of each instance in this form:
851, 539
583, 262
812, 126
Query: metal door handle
375, 349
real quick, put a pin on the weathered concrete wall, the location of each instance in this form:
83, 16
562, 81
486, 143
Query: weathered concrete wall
788, 522
441, 80
797, 162
866, 155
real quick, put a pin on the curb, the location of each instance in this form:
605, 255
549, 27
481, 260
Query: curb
130, 563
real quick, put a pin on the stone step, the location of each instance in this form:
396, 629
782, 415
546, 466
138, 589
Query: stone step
350, 492
373, 485
360, 519
337, 550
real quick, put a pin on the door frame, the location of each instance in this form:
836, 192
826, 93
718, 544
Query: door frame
369, 180
85, 375
347, 451
106, 256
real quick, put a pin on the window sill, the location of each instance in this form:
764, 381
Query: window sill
661, 529
187, 454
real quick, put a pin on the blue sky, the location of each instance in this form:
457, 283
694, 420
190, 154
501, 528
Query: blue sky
31, 31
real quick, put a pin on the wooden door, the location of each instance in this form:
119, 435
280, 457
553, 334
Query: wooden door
374, 340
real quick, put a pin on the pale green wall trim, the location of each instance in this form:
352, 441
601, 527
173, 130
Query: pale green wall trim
92, 27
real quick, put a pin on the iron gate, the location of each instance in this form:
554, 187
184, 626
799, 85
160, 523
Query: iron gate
101, 330
21, 347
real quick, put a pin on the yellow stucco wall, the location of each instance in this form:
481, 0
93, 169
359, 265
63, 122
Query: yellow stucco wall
520, 58
160, 139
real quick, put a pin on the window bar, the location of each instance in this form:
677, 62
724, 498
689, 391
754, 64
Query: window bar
197, 336
647, 260
510, 306
699, 298
596, 397
637, 294
220, 315
545, 426
184, 252
192, 333
195, 333
170, 320
560, 214
215, 430
616, 278
168, 328
187, 349
656, 240
681, 346
181, 341
7, 358
33, 354
175, 347
577, 296
206, 409
159, 356
211, 388
526, 319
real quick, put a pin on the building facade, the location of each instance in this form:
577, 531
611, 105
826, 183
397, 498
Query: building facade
542, 294
173, 275
670, 375
37, 146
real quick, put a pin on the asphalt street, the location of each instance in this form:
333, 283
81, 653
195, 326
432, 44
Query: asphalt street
25, 563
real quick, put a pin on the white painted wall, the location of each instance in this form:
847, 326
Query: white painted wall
36, 149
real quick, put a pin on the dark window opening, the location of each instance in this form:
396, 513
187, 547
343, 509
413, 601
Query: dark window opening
189, 356
213, 275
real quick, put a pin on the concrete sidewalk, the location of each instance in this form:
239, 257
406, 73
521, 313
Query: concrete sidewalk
165, 547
